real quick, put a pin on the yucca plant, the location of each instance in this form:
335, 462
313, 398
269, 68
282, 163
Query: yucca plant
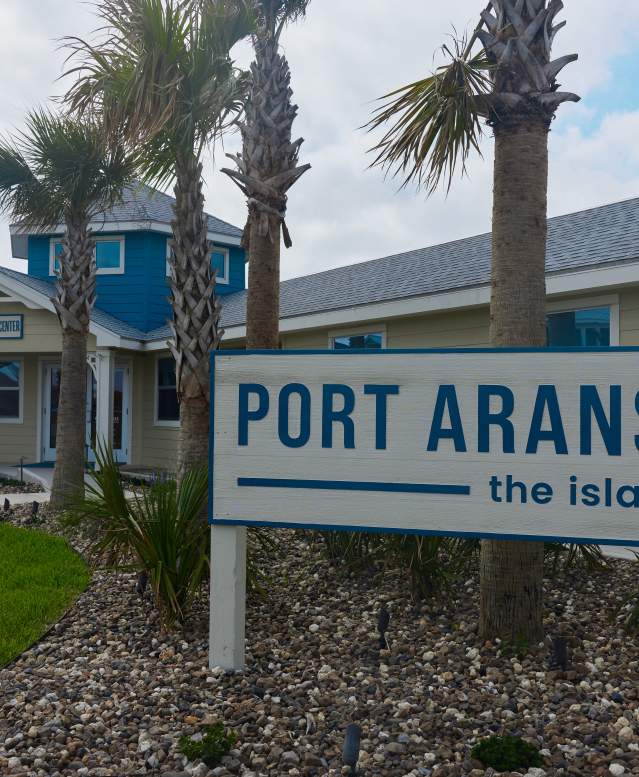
567, 556
158, 530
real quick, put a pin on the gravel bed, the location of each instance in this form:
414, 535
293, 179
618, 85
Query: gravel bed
11, 486
105, 693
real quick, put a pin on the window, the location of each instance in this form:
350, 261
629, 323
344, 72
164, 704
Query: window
167, 406
219, 261
109, 255
370, 340
10, 391
587, 328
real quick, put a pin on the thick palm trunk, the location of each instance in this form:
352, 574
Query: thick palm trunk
73, 303
196, 314
512, 572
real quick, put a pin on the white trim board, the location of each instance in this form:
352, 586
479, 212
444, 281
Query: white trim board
127, 226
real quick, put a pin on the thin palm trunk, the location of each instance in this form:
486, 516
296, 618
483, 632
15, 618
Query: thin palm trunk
196, 314
73, 302
266, 169
512, 572
263, 297
68, 475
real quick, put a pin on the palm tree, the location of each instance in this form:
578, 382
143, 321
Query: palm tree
268, 167
62, 171
511, 85
164, 73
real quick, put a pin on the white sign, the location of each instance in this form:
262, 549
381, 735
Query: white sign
11, 326
509, 444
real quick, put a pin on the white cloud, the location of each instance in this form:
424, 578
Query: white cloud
342, 57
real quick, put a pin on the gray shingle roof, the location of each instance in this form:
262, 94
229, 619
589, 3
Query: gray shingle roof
598, 236
142, 203
113, 324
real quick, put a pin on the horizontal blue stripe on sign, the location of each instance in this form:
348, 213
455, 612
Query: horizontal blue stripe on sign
353, 485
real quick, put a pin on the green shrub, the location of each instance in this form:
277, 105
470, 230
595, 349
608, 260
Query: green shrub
213, 746
431, 563
506, 753
558, 555
160, 530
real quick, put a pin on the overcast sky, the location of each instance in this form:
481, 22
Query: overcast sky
344, 55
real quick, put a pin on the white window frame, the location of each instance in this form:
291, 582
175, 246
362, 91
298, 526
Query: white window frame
20, 418
99, 239
354, 331
574, 304
218, 249
156, 395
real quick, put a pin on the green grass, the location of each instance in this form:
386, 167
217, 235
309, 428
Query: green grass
40, 576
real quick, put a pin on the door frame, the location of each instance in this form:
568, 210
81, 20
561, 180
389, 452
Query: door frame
44, 401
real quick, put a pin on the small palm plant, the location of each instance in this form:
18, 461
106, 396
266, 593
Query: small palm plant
164, 73
158, 531
65, 171
268, 167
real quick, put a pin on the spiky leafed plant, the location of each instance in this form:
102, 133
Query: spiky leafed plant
163, 71
63, 171
511, 85
267, 167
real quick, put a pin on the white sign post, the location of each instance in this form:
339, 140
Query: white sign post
500, 444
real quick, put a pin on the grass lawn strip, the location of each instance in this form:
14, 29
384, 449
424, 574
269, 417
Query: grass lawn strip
40, 576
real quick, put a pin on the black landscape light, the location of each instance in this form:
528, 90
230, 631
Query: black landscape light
383, 619
559, 655
35, 506
7, 505
350, 753
142, 581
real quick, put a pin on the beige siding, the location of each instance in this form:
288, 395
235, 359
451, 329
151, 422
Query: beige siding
446, 330
20, 439
159, 443
41, 332
629, 316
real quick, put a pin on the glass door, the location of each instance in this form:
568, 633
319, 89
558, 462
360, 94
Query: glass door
51, 397
121, 414
51, 401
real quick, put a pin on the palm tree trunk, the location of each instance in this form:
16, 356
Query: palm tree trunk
75, 297
263, 297
512, 572
68, 475
196, 314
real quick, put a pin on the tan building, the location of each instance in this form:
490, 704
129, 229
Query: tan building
429, 298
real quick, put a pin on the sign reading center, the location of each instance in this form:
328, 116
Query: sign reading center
515, 444
11, 326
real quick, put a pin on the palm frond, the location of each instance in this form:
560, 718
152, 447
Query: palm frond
436, 122
160, 72
58, 165
274, 15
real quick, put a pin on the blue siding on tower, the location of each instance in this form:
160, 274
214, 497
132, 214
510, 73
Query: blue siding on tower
140, 295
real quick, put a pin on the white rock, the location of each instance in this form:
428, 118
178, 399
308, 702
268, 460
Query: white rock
626, 734
314, 628
616, 769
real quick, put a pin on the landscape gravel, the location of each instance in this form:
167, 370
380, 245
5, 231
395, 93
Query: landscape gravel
105, 694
